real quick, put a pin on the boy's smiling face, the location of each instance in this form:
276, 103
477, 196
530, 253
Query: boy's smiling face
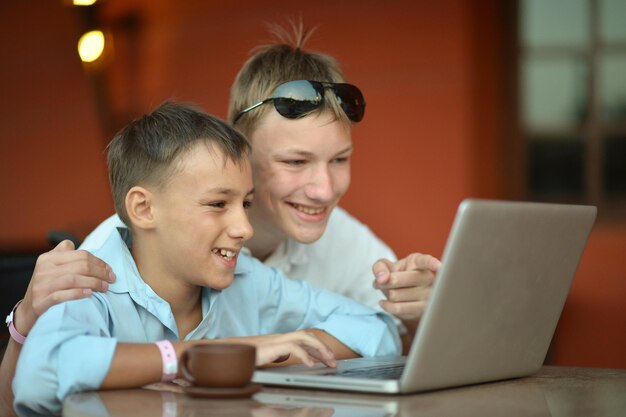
201, 218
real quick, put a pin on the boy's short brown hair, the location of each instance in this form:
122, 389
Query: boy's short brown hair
147, 151
275, 64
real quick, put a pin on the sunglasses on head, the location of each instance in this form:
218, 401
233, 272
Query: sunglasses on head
294, 99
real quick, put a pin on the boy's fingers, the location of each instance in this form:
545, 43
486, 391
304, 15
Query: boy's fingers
282, 358
320, 351
322, 356
315, 348
270, 353
302, 345
302, 354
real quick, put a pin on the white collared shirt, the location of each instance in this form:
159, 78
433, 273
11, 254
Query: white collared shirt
340, 261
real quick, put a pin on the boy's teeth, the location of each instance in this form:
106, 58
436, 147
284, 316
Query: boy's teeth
227, 253
224, 252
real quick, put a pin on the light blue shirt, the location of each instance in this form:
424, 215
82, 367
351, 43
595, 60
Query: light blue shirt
71, 346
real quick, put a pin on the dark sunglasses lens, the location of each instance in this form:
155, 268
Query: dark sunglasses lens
298, 90
295, 98
292, 109
352, 101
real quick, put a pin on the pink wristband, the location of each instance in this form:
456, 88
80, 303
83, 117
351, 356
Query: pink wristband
17, 336
170, 362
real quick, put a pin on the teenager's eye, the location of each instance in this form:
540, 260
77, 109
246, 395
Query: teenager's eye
217, 204
341, 160
247, 204
296, 162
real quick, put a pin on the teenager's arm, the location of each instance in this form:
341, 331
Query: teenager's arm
61, 274
7, 371
407, 284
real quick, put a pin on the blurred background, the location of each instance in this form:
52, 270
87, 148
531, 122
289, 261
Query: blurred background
522, 100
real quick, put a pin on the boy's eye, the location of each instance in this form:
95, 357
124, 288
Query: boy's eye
217, 204
247, 204
341, 160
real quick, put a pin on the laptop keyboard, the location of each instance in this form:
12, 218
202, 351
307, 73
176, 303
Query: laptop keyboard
385, 372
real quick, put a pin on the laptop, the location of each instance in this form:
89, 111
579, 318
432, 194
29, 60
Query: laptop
507, 268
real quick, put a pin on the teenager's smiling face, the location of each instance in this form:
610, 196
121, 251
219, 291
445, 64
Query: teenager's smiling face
301, 170
202, 217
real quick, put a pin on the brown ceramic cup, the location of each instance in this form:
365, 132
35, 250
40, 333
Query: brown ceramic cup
219, 365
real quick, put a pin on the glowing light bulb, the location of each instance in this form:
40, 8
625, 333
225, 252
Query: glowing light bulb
91, 46
83, 2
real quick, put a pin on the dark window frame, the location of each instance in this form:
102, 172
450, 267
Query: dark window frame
593, 131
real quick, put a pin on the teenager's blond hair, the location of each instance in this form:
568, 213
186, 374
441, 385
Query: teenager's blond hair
274, 64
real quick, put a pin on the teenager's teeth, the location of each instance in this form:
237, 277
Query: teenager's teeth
225, 253
308, 210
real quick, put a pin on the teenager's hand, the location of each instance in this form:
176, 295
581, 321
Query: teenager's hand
406, 284
302, 345
60, 275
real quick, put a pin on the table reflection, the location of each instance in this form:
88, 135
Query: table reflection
143, 402
553, 392
479, 400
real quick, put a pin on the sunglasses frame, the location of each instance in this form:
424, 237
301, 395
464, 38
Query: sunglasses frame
355, 110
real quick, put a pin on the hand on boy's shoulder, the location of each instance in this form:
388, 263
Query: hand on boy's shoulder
61, 274
406, 283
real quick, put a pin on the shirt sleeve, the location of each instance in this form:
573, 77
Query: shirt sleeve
68, 350
287, 305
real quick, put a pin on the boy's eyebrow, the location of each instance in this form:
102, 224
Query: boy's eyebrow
227, 191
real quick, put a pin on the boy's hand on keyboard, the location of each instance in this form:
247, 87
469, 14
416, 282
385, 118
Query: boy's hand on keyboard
300, 345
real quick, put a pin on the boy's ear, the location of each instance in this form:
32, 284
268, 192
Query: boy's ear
139, 207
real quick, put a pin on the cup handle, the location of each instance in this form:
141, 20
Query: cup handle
183, 368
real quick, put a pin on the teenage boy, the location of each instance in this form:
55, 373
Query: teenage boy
298, 111
181, 180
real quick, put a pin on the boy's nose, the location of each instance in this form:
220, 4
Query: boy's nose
241, 227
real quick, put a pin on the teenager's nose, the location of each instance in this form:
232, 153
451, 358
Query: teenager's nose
321, 183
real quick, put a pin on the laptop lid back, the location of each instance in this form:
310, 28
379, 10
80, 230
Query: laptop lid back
506, 271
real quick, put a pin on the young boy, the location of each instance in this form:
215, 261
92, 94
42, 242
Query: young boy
181, 180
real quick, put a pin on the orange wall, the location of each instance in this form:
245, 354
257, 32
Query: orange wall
51, 169
435, 128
